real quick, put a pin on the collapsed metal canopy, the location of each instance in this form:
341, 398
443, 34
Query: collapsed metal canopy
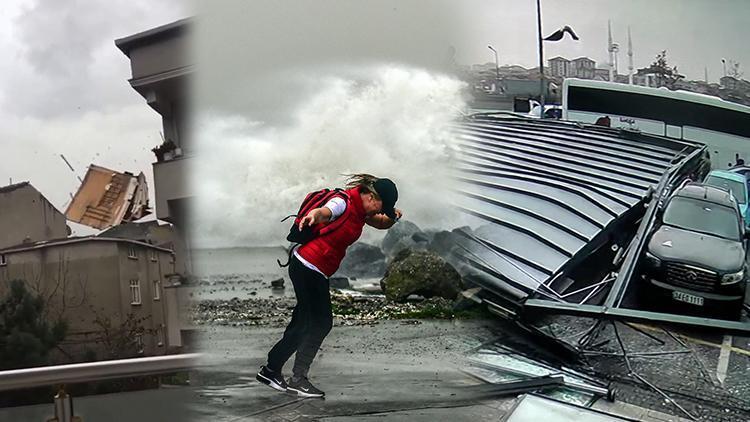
555, 195
552, 191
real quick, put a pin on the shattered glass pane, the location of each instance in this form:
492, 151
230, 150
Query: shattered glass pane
534, 408
495, 364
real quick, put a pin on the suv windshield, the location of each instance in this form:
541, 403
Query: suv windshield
737, 188
705, 217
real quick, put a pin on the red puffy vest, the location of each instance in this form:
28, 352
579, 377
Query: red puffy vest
326, 252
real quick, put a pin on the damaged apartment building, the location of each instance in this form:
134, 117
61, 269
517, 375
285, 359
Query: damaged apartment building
87, 279
131, 269
161, 69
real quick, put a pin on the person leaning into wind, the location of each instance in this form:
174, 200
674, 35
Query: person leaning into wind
366, 200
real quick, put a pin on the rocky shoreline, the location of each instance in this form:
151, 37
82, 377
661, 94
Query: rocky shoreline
347, 310
417, 280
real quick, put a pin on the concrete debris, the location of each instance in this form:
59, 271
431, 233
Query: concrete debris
468, 299
277, 284
339, 283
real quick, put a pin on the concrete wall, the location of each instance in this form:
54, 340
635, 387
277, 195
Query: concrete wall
161, 67
166, 236
170, 180
92, 278
146, 268
26, 215
158, 57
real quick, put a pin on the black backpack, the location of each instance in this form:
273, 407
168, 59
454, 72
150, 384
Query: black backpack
313, 200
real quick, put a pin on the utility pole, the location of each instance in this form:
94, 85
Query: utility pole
541, 57
556, 36
497, 70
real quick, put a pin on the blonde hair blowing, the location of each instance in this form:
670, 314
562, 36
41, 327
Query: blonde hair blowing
364, 181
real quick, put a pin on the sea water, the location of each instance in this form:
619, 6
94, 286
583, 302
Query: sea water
390, 121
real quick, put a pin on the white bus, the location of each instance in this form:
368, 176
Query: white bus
723, 126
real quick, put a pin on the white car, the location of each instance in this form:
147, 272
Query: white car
551, 111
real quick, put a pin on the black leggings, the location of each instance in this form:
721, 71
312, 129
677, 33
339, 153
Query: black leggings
311, 322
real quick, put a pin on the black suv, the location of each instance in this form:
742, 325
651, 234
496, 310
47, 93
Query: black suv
696, 257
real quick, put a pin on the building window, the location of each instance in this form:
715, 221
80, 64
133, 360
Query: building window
3, 260
153, 254
139, 343
135, 292
157, 290
160, 336
131, 252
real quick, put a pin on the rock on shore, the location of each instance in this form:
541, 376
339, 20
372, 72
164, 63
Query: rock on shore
362, 260
422, 273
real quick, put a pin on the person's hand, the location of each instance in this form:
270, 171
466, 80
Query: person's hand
398, 213
307, 220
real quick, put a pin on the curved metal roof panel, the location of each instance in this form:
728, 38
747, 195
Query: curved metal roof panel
547, 189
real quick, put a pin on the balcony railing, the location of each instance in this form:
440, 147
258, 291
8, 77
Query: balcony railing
91, 371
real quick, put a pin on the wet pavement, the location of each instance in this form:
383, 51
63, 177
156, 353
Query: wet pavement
393, 366
402, 370
414, 369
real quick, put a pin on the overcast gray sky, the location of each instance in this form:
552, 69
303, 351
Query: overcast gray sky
64, 90
249, 46
263, 57
293, 93
695, 33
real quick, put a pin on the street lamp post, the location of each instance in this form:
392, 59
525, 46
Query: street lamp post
541, 57
497, 69
555, 36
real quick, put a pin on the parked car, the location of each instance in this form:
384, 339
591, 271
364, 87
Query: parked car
735, 183
744, 171
551, 111
696, 257
531, 108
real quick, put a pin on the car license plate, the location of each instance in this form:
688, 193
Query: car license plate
687, 298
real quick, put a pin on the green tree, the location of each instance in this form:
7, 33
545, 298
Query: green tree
26, 337
734, 70
665, 75
120, 339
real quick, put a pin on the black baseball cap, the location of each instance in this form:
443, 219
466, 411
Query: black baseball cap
388, 193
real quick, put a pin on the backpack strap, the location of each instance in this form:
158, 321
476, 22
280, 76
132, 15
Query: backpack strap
340, 193
316, 200
313, 200
288, 258
288, 217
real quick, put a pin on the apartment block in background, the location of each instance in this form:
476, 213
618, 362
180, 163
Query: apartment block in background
87, 278
26, 216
